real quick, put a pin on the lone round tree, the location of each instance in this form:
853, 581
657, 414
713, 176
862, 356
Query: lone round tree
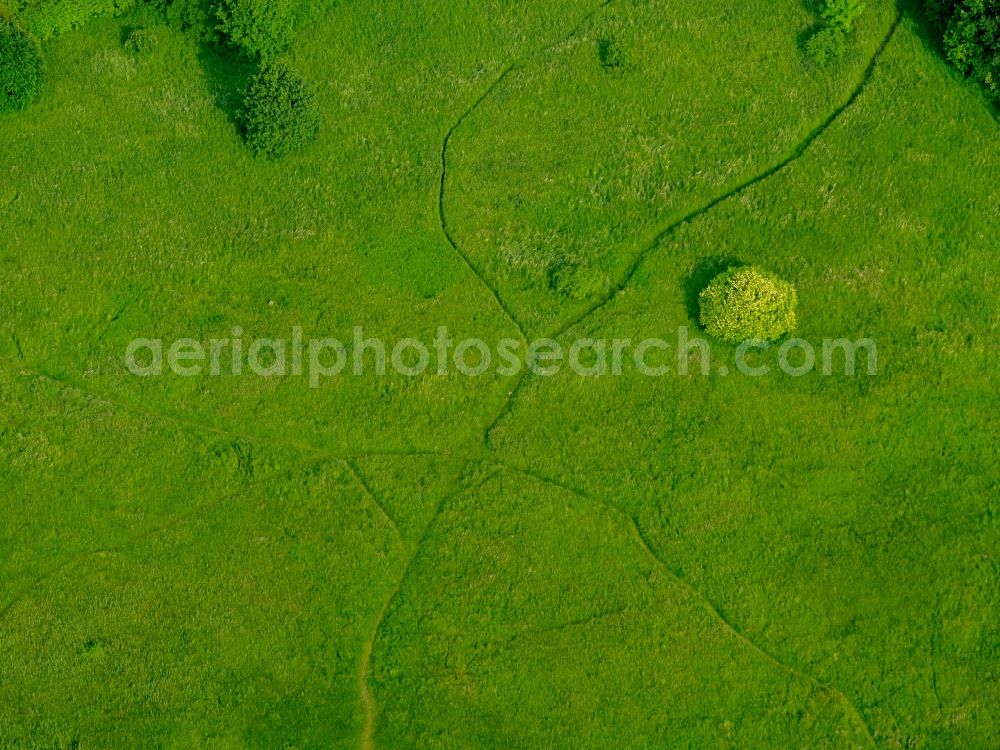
746, 303
279, 113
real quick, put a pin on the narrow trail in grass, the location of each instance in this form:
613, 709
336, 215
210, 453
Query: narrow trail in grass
849, 706
796, 154
193, 425
800, 150
322, 455
355, 471
494, 291
172, 523
442, 214
368, 705
635, 530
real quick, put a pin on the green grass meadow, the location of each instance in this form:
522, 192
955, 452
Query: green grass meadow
446, 562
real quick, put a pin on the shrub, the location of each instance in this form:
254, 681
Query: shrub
841, 14
612, 56
261, 28
279, 112
747, 303
826, 47
21, 64
828, 43
577, 281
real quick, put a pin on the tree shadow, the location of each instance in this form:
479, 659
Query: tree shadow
803, 37
701, 275
227, 72
928, 30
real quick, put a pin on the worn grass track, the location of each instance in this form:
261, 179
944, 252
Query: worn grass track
800, 150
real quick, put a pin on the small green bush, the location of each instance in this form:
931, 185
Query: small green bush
826, 47
280, 114
827, 44
577, 281
261, 28
612, 56
842, 14
21, 64
746, 303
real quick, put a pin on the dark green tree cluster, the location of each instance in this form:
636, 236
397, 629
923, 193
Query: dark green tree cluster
261, 29
280, 114
47, 18
194, 17
970, 30
21, 64
828, 43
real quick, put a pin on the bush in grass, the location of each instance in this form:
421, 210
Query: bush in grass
841, 14
280, 114
21, 64
612, 56
828, 43
746, 303
261, 28
826, 47
577, 281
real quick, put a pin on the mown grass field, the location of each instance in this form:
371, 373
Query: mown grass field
452, 562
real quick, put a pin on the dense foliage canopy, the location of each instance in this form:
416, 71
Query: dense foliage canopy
842, 14
746, 303
971, 33
279, 112
50, 17
261, 28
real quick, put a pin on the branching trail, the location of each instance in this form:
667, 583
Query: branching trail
635, 530
442, 214
355, 471
799, 151
368, 704
320, 455
796, 154
494, 291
